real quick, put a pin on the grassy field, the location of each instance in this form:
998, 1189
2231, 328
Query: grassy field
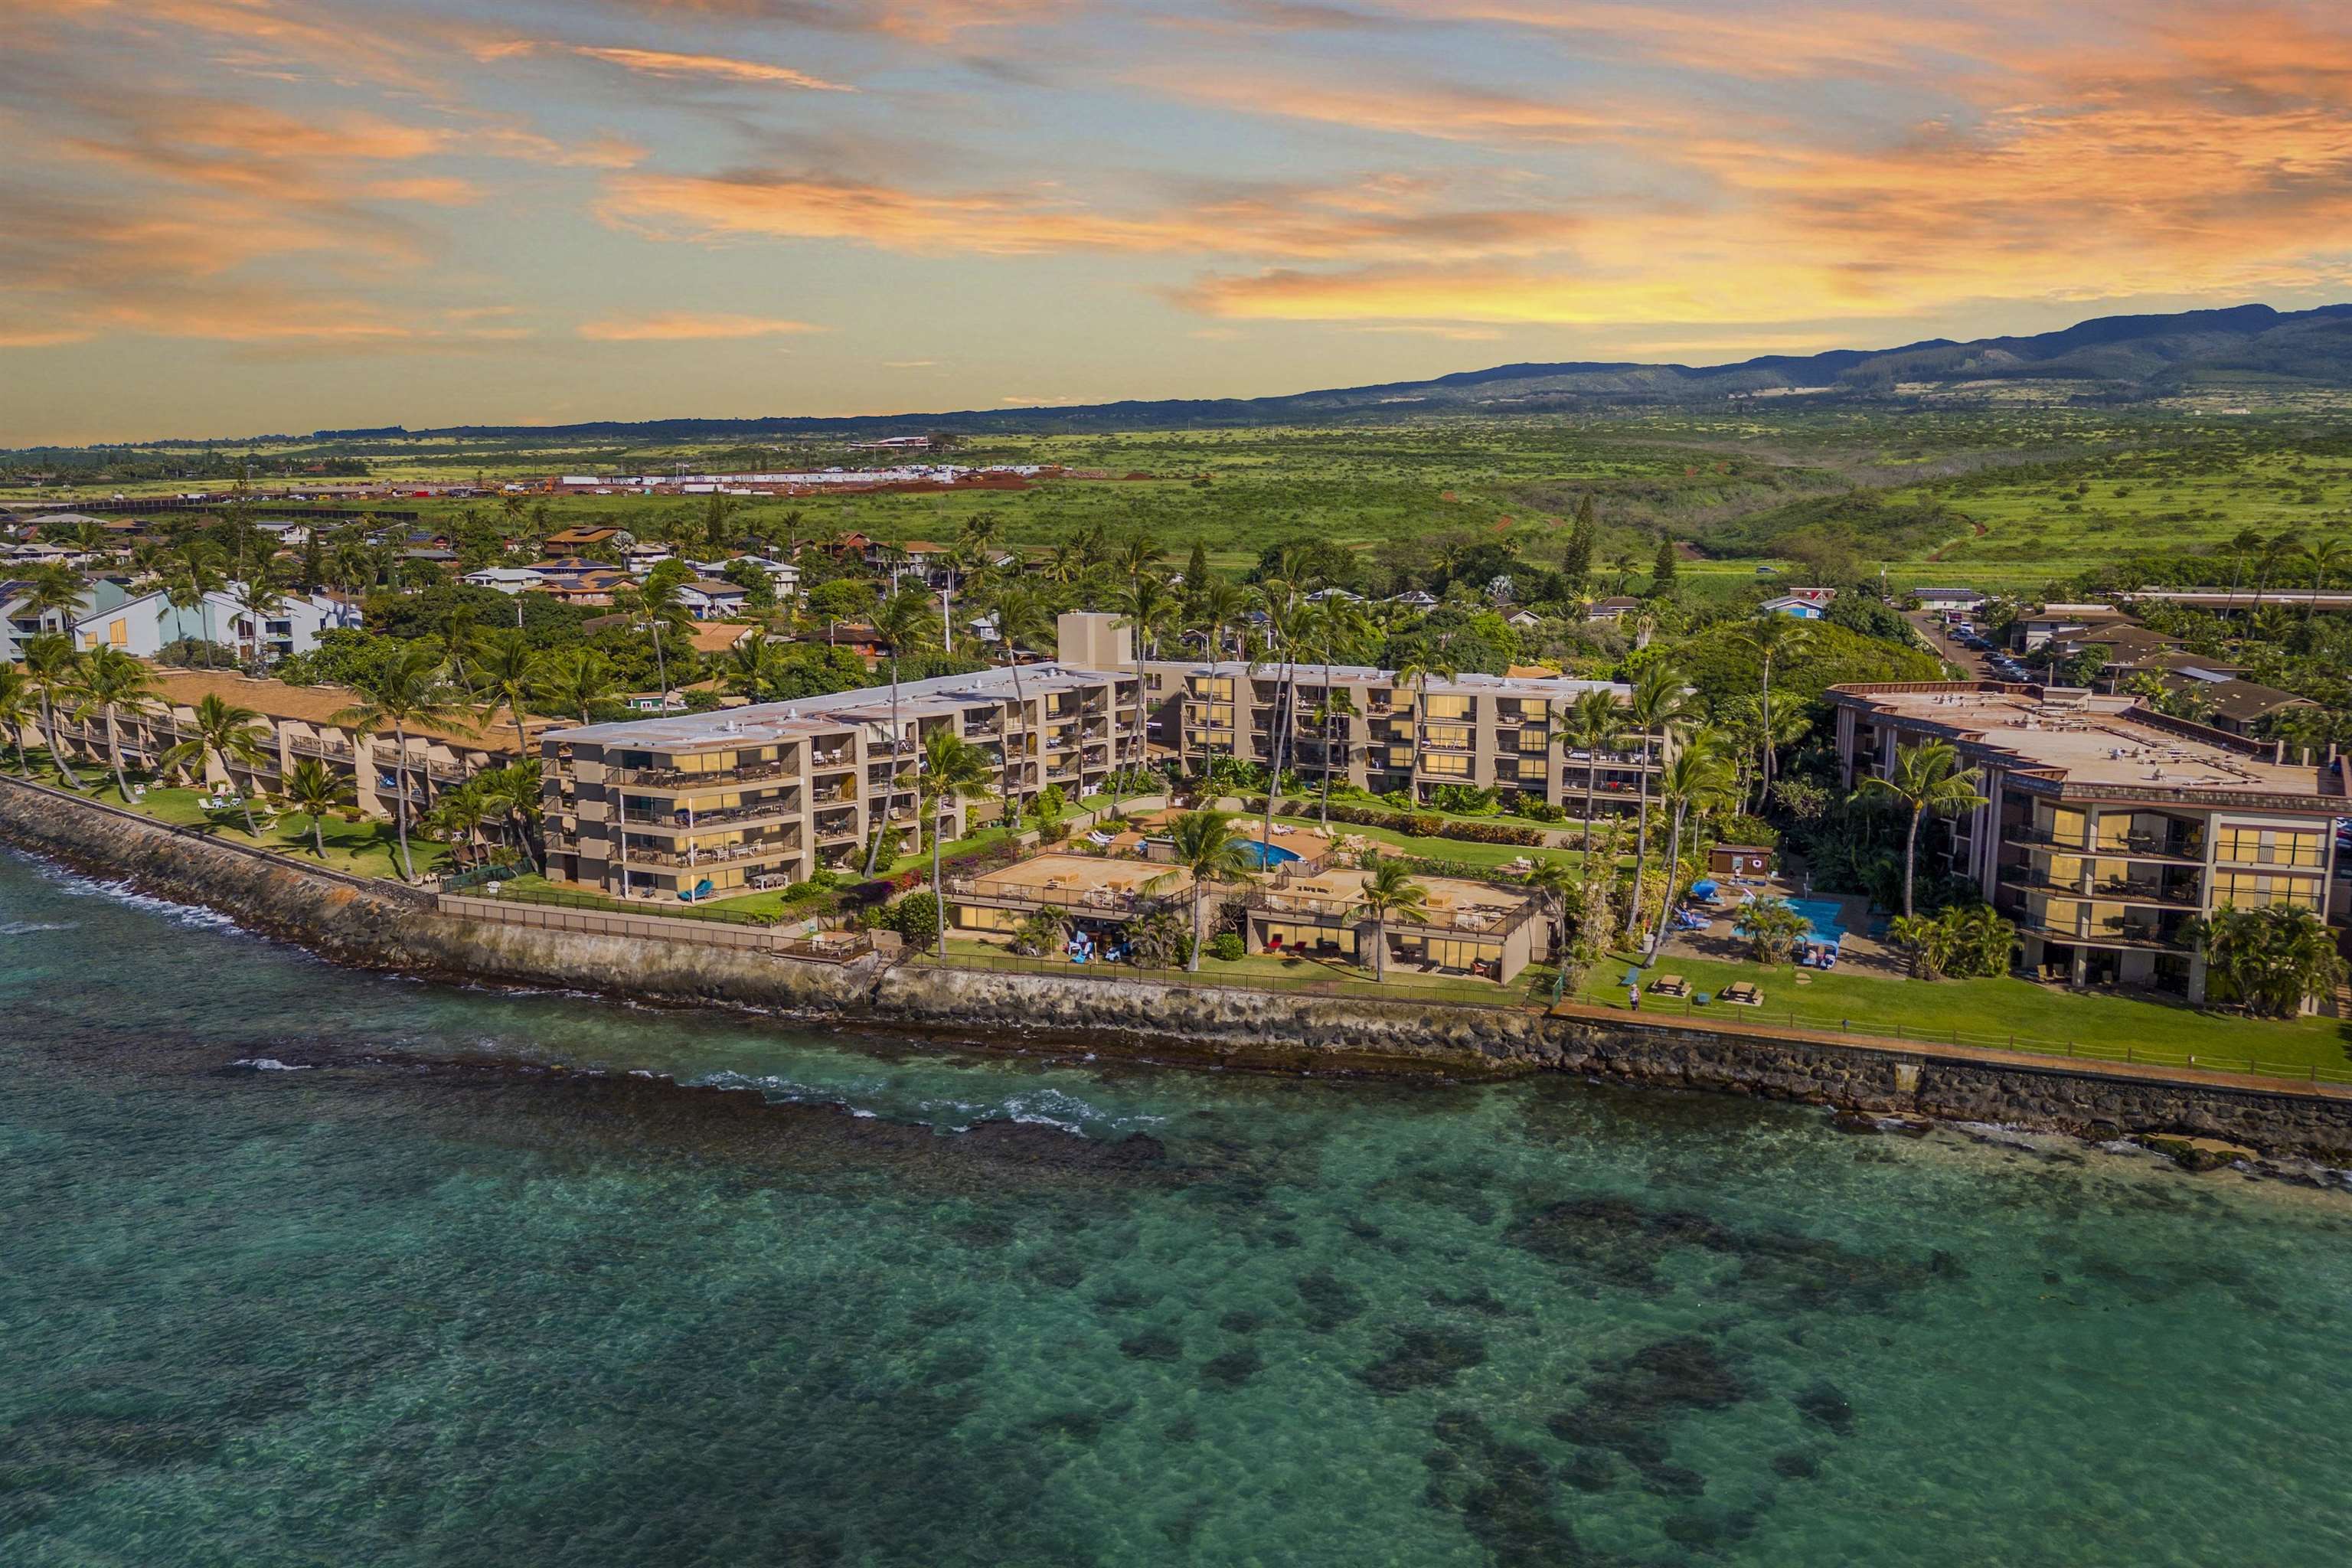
1997, 495
1993, 1013
1480, 855
366, 848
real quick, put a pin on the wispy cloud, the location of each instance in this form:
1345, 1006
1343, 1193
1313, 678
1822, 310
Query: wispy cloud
684, 326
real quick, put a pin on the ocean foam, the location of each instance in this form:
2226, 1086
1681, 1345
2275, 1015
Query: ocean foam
269, 1064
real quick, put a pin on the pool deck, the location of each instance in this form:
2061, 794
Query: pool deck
1858, 952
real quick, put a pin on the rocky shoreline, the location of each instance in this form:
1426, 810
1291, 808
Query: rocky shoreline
392, 929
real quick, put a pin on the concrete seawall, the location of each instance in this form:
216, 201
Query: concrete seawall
388, 927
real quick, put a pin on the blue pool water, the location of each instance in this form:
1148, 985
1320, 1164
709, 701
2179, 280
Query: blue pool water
1268, 855
1823, 914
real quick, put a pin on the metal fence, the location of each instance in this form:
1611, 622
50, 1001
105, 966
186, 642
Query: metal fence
717, 913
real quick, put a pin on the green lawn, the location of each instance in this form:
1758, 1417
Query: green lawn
366, 848
1481, 855
1992, 1013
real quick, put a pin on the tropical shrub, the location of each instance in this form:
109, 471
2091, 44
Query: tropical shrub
1227, 945
1967, 942
916, 918
1773, 928
2268, 959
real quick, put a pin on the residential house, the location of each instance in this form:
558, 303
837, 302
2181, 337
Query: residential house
712, 598
1801, 606
147, 625
570, 541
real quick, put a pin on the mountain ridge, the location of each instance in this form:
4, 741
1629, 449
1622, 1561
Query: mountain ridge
2123, 358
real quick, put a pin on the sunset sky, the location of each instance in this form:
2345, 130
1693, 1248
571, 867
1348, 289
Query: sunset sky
223, 217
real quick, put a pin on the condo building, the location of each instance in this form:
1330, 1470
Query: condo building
292, 723
2109, 826
762, 796
1494, 732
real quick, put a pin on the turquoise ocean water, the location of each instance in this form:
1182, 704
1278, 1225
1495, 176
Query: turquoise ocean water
400, 1298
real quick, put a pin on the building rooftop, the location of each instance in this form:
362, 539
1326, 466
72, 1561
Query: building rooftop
2090, 744
1558, 688
766, 722
318, 705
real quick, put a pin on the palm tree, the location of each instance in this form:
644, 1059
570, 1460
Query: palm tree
1145, 609
20, 712
192, 588
1771, 634
902, 624
1417, 672
2269, 959
457, 817
515, 790
953, 769
1697, 779
406, 689
1657, 711
261, 600
2321, 556
751, 667
1592, 723
1217, 607
509, 670
1555, 884
574, 681
1285, 631
1337, 629
314, 789
112, 683
53, 590
1021, 617
1389, 892
1927, 778
1206, 845
226, 731
655, 604
55, 669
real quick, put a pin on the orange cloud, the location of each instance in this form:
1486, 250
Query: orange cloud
666, 63
1304, 222
1444, 112
682, 326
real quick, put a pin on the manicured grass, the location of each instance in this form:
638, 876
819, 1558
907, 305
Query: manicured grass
366, 848
1990, 1013
1486, 856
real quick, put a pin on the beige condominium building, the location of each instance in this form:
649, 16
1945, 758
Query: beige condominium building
2108, 827
295, 722
1495, 731
765, 795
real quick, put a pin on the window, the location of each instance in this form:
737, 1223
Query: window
2253, 890
1446, 707
1446, 767
2246, 845
118, 633
1534, 741
1448, 737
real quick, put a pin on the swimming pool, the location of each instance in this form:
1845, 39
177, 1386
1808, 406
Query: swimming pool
1268, 855
1823, 915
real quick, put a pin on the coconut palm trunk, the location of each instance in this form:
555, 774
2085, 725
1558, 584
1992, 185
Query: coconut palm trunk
114, 755
1641, 837
1667, 902
56, 752
400, 800
889, 788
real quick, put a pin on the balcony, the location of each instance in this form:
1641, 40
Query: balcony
2125, 935
685, 821
332, 751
